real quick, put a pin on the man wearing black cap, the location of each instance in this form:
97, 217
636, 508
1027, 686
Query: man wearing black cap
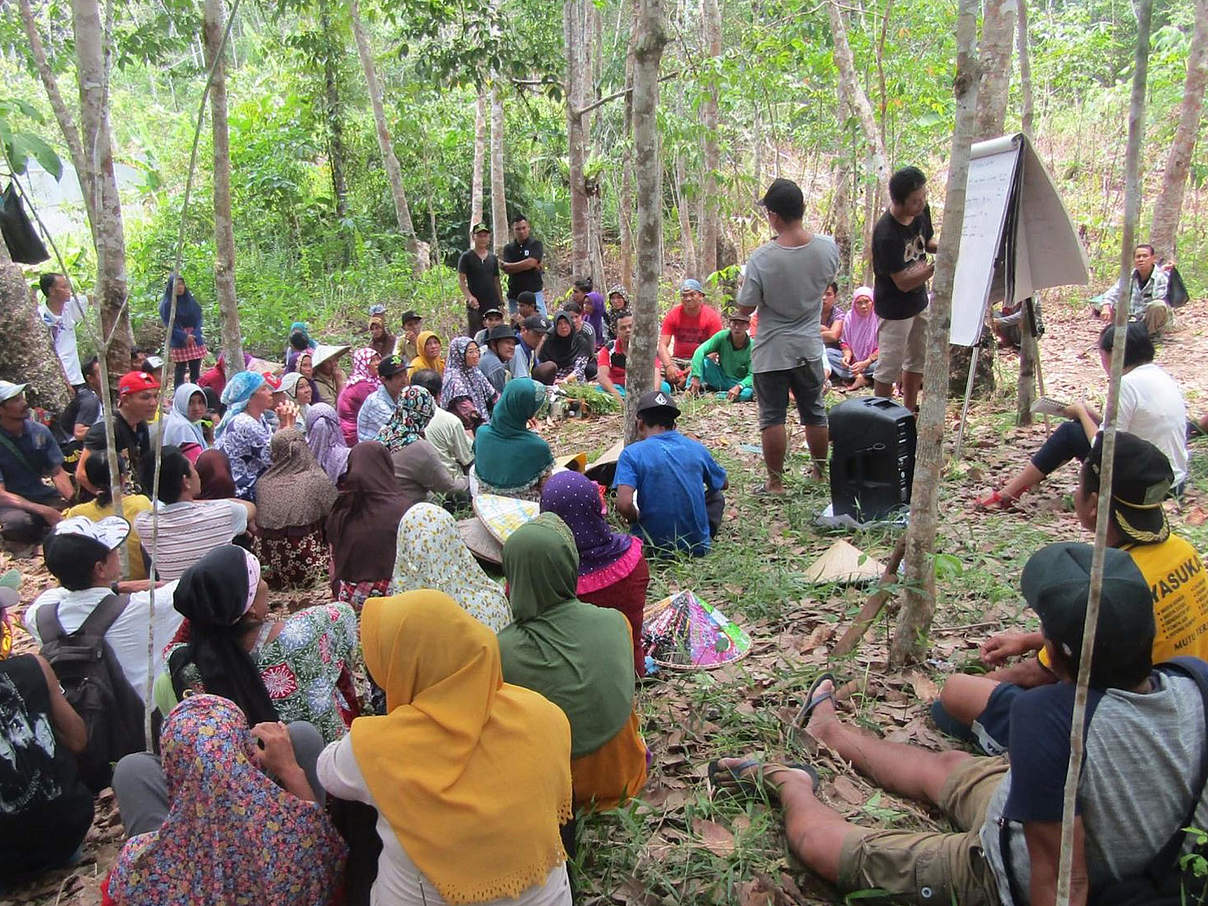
785, 279
730, 375
380, 405
1172, 568
668, 485
1145, 733
406, 349
478, 276
522, 263
901, 241
499, 352
524, 358
491, 318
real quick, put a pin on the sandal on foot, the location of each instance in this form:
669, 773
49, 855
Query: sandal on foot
996, 501
813, 699
764, 491
736, 779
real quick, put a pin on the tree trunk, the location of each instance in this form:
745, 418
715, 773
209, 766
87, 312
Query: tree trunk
918, 606
67, 125
224, 232
1169, 206
625, 200
394, 173
107, 232
333, 112
650, 26
1025, 387
480, 156
575, 24
710, 221
499, 207
1132, 216
999, 19
851, 92
1025, 71
691, 268
29, 358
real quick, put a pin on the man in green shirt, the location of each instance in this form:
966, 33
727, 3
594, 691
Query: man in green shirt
731, 372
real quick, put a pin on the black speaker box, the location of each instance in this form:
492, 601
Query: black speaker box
872, 457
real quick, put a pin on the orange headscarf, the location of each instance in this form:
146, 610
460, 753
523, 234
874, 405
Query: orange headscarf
473, 774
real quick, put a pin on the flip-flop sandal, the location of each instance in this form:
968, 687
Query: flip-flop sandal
734, 779
813, 699
762, 491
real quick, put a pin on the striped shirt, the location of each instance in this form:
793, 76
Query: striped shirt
188, 530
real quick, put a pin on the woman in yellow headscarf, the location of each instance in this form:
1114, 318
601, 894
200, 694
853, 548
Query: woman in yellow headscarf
428, 344
470, 775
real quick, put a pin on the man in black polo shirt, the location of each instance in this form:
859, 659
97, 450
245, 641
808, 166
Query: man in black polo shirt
138, 395
28, 453
478, 275
901, 241
522, 263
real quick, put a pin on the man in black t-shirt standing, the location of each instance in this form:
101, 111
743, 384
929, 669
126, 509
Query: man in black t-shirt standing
478, 275
522, 263
900, 243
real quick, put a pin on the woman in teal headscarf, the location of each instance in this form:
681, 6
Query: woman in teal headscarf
578, 656
509, 459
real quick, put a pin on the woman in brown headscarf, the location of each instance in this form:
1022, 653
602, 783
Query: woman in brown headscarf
298, 495
214, 469
363, 525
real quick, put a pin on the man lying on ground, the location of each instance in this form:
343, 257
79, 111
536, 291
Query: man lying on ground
1147, 732
979, 707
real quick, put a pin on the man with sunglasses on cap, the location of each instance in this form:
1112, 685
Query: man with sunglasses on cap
1144, 741
29, 508
137, 399
978, 708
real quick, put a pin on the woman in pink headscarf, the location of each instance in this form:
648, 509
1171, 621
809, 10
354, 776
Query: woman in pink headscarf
362, 381
858, 342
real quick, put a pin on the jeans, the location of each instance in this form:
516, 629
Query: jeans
1066, 443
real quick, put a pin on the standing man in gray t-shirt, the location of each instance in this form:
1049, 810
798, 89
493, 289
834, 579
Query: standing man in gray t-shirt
785, 279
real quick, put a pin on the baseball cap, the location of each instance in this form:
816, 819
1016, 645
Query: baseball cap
1141, 479
377, 309
480, 228
1056, 581
8, 390
500, 332
535, 322
110, 531
737, 315
493, 311
272, 380
528, 297
412, 315
783, 197
691, 286
135, 382
656, 399
390, 366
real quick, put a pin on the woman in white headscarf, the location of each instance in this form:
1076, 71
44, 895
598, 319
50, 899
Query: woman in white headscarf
181, 421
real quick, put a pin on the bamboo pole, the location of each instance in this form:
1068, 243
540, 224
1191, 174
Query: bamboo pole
1132, 211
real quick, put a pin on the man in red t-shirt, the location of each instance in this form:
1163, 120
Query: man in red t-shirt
612, 362
687, 325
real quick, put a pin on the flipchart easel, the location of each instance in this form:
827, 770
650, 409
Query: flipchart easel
1017, 238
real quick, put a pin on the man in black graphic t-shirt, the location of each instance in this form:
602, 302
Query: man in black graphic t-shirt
900, 243
522, 263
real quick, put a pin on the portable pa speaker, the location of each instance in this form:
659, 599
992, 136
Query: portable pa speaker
872, 457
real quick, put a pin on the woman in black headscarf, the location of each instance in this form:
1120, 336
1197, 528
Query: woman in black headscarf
571, 351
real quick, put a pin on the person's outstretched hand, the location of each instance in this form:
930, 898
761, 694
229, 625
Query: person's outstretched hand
998, 648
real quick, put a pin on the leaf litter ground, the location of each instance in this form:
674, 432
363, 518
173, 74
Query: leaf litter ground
680, 845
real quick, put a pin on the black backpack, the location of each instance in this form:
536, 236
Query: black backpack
94, 684
1170, 878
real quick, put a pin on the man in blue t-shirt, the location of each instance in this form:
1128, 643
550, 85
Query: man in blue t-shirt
29, 508
1144, 740
669, 486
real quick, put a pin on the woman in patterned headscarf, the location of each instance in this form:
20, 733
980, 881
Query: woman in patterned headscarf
362, 381
464, 382
417, 465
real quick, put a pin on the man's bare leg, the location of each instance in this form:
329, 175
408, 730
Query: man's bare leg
965, 696
882, 388
912, 383
895, 767
774, 440
817, 438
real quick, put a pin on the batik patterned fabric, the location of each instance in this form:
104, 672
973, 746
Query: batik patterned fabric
296, 557
231, 835
411, 415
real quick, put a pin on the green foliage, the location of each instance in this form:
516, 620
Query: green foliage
20, 145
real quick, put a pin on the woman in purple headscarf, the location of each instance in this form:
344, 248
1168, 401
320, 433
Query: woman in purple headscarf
612, 571
858, 341
593, 314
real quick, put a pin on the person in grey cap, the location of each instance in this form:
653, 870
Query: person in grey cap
684, 328
1144, 744
29, 509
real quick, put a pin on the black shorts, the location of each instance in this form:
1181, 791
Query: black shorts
772, 393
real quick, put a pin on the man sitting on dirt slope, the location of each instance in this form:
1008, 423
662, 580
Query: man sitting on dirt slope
1145, 731
978, 708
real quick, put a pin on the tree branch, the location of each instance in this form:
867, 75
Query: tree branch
620, 94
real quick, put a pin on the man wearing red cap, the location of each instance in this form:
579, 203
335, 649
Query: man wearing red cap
137, 397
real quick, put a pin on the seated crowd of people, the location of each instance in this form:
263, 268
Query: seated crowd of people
431, 734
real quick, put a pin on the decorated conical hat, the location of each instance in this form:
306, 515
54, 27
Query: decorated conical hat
684, 633
503, 515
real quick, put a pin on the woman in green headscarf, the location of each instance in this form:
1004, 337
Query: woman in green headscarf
578, 656
509, 459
